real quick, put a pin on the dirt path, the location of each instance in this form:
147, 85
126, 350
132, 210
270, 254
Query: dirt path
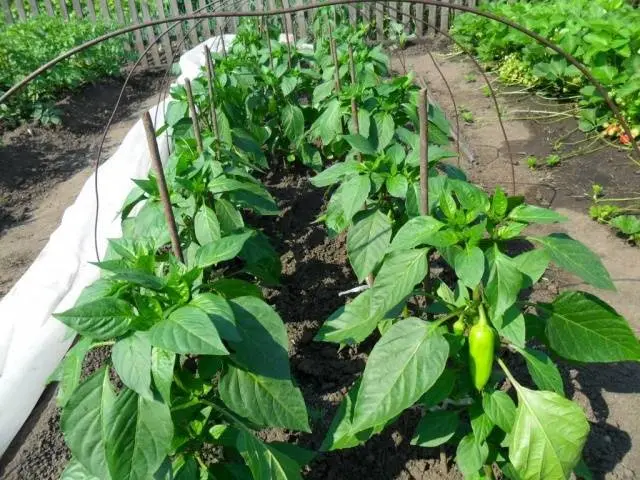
609, 393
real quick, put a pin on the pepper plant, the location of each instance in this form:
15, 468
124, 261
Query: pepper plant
445, 344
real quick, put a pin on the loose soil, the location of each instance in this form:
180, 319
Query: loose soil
44, 168
315, 270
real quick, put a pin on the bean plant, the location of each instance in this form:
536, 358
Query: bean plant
197, 361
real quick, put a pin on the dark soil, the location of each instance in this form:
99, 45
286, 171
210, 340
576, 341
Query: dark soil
34, 157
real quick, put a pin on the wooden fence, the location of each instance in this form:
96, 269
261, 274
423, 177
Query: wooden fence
190, 33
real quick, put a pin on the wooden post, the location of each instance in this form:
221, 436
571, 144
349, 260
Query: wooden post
6, 8
334, 55
194, 114
214, 115
266, 31
424, 152
224, 47
156, 164
286, 33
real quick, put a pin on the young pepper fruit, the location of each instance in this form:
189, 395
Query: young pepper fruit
459, 326
481, 346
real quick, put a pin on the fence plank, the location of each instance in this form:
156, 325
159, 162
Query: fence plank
151, 34
174, 12
135, 20
444, 18
406, 16
34, 8
166, 39
49, 8
193, 34
76, 8
419, 19
379, 6
63, 9
433, 18
6, 9
206, 28
301, 22
104, 10
91, 10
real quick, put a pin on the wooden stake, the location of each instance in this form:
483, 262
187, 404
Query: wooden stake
266, 30
424, 152
194, 114
352, 66
214, 115
224, 48
156, 164
334, 55
286, 32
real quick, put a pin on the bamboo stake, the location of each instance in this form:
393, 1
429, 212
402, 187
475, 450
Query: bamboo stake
156, 164
214, 115
424, 152
194, 114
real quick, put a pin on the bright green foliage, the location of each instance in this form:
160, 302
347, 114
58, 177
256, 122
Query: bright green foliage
27, 45
603, 34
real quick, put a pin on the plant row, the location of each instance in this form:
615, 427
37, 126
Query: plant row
603, 34
200, 360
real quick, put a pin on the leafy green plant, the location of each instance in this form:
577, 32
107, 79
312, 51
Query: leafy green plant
467, 115
470, 77
606, 38
552, 160
25, 46
532, 162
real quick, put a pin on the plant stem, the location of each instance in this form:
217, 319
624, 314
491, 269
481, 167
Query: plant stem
507, 373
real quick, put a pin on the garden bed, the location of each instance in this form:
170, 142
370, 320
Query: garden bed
315, 270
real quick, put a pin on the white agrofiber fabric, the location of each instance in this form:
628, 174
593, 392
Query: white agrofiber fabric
32, 342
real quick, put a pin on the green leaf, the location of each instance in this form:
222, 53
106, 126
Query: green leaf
548, 435
206, 226
511, 325
84, 420
533, 214
402, 366
576, 258
162, 365
329, 124
188, 330
335, 173
398, 275
131, 358
532, 264
268, 402
583, 328
75, 471
322, 91
481, 423
266, 463
138, 437
293, 122
347, 201
288, 84
264, 346
499, 203
500, 409
221, 250
627, 224
232, 288
440, 390
386, 128
435, 429
471, 455
229, 217
367, 241
504, 283
469, 265
417, 231
350, 324
397, 185
176, 111
101, 319
220, 313
67, 374
360, 144
543, 371
140, 278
